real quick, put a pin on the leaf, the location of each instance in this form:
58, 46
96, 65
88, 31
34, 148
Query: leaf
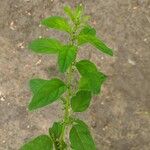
80, 137
91, 79
85, 37
45, 45
55, 133
79, 10
42, 142
81, 101
57, 22
88, 30
66, 56
85, 19
45, 92
36, 84
85, 67
68, 10
74, 14
56, 130
92, 82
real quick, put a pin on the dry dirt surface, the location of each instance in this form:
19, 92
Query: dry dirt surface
119, 118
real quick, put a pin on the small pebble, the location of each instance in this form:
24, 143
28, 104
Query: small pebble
131, 62
20, 45
28, 13
104, 128
135, 8
94, 22
4, 141
102, 103
136, 52
2, 99
38, 62
93, 124
102, 58
26, 66
12, 26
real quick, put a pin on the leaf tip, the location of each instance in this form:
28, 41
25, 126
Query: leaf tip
30, 107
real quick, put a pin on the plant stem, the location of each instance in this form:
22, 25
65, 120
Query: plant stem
69, 93
67, 106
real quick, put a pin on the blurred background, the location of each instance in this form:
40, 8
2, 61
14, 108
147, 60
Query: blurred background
119, 118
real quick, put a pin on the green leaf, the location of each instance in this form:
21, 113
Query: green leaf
45, 45
92, 82
79, 10
86, 67
45, 92
68, 10
85, 19
88, 30
57, 22
89, 37
91, 79
56, 130
66, 56
55, 133
81, 138
81, 101
36, 84
42, 142
74, 14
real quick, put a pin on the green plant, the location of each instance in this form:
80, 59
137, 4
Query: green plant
73, 99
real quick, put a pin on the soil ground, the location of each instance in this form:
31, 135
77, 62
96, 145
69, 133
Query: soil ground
119, 118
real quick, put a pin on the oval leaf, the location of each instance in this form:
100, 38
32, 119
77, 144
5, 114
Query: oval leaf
80, 137
45, 92
66, 56
81, 101
85, 67
45, 45
57, 22
42, 142
92, 82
